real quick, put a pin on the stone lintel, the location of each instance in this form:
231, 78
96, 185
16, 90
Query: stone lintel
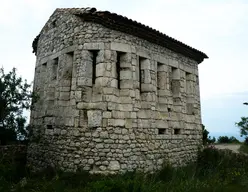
120, 47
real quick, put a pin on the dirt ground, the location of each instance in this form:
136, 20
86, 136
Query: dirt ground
233, 147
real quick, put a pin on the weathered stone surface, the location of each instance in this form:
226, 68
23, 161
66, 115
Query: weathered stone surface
114, 165
111, 102
94, 118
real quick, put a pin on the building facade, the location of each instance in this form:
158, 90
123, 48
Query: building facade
114, 95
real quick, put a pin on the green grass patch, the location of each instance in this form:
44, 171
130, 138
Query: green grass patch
214, 171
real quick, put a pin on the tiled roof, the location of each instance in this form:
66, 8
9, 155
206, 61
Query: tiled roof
123, 24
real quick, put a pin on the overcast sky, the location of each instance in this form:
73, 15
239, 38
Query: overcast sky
219, 28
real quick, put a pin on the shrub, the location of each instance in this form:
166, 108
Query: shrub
246, 141
226, 139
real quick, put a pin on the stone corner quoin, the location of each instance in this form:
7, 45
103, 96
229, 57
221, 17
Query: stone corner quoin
112, 99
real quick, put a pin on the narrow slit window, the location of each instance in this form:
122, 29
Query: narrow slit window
159, 76
187, 77
44, 67
69, 64
85, 115
94, 56
173, 76
140, 72
55, 68
118, 68
175, 81
177, 131
141, 61
56, 61
161, 131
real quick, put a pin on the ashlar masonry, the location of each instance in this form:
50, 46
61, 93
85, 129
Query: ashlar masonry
114, 95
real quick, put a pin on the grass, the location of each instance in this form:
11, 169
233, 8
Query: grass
214, 171
244, 148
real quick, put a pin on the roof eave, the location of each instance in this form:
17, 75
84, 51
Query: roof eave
131, 27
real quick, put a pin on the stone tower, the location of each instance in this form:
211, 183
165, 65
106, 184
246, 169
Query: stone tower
114, 95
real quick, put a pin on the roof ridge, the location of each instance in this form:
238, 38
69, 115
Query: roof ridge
152, 35
135, 28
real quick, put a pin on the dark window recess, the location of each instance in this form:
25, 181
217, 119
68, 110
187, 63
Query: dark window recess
169, 109
173, 70
187, 75
118, 69
159, 75
94, 56
172, 77
55, 68
187, 82
85, 114
70, 53
44, 64
56, 61
141, 60
177, 131
161, 131
49, 127
68, 73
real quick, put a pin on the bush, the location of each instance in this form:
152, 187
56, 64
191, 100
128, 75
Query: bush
246, 141
205, 138
226, 139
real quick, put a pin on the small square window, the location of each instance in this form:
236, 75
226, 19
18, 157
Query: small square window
161, 131
49, 127
177, 131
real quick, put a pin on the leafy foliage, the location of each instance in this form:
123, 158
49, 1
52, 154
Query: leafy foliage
243, 126
15, 96
226, 139
206, 139
246, 141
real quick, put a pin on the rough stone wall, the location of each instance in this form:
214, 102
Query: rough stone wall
80, 123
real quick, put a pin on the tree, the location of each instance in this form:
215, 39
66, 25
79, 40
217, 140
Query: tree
243, 126
205, 138
223, 139
15, 96
204, 135
211, 140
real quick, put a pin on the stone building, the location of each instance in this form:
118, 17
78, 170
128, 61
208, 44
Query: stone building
114, 95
